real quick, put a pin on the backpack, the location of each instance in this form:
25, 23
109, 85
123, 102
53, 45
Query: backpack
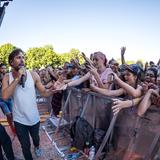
81, 132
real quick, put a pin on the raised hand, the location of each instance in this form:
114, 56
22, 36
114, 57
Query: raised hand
144, 87
111, 78
92, 69
86, 59
123, 49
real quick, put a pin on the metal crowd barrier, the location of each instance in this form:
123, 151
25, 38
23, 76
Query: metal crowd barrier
93, 107
96, 109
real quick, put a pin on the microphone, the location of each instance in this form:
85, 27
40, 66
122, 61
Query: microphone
23, 77
22, 81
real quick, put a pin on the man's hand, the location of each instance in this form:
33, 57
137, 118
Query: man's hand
21, 71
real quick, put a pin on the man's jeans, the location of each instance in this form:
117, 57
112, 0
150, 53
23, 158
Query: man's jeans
23, 132
5, 143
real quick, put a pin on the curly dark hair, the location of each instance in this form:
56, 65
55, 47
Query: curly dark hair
14, 53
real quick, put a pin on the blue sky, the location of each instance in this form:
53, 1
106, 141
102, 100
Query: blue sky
88, 25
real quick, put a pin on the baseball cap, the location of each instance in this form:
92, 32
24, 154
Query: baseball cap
133, 68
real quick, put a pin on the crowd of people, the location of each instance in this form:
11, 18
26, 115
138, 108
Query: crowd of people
132, 86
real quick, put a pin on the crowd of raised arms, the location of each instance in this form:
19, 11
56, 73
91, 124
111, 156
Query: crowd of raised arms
130, 86
138, 85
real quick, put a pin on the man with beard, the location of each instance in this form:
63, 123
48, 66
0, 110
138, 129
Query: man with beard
20, 85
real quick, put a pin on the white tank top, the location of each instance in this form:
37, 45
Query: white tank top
25, 109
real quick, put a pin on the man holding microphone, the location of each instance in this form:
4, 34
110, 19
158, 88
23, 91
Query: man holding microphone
20, 85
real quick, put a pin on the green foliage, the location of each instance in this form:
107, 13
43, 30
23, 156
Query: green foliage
41, 57
74, 53
5, 50
38, 57
130, 62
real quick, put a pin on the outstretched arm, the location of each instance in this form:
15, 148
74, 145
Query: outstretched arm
146, 102
41, 88
120, 104
79, 81
129, 89
107, 92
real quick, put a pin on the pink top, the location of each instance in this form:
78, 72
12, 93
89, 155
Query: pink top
104, 76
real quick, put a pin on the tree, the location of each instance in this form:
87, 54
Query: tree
130, 62
73, 53
5, 50
41, 57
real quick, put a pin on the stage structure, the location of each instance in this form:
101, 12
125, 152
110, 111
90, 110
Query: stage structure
3, 5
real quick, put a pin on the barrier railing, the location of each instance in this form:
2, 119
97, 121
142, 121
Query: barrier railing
96, 109
93, 107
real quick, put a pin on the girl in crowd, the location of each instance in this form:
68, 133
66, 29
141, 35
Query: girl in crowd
151, 90
98, 72
131, 89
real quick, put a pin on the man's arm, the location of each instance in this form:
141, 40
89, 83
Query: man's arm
8, 89
41, 88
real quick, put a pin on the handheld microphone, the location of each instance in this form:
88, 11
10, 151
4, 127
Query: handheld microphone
23, 77
23, 81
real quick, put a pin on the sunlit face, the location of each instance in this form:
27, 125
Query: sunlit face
98, 62
150, 77
18, 61
130, 78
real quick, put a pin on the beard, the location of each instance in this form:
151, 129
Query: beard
19, 66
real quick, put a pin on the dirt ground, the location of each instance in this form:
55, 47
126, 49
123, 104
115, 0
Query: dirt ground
49, 153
